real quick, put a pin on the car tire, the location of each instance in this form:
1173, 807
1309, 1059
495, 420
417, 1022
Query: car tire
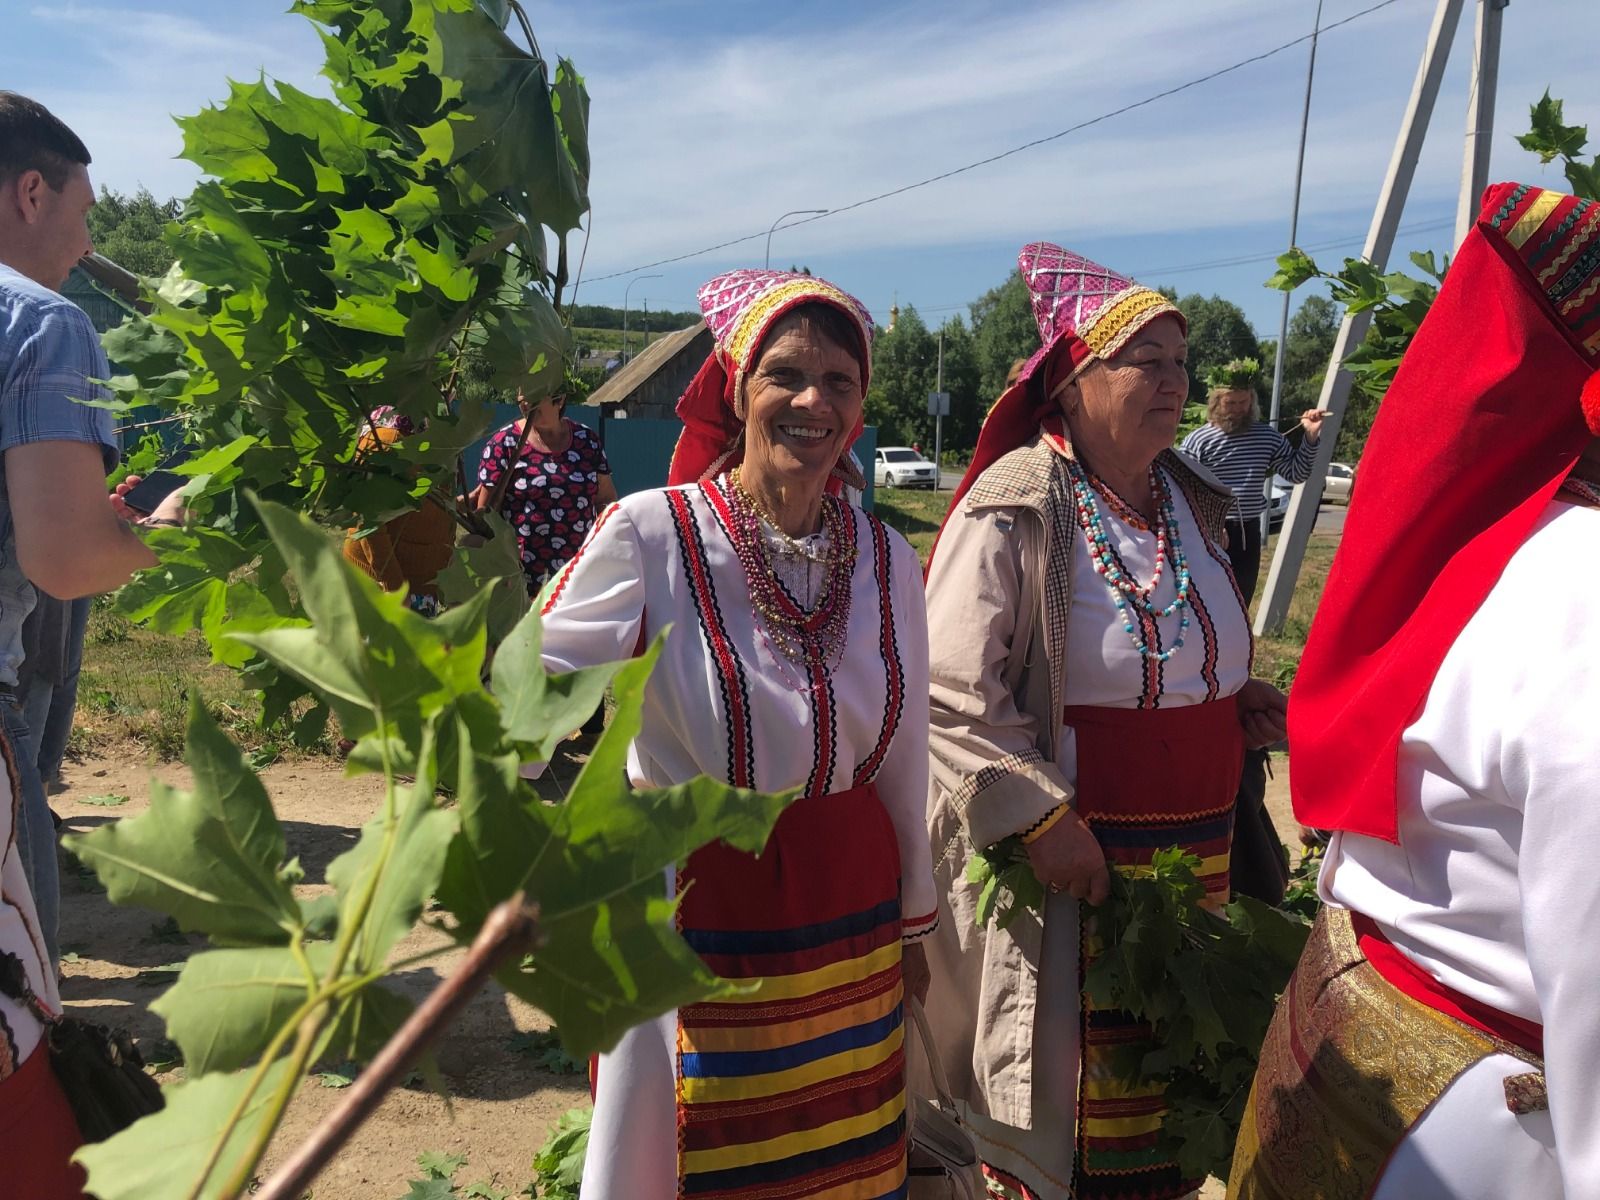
888, 481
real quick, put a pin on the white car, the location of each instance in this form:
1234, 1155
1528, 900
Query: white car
1341, 481
1278, 505
901, 466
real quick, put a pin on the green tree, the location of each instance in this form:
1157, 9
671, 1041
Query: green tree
1003, 330
963, 379
903, 367
130, 230
1312, 330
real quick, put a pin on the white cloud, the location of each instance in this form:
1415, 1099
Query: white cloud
699, 135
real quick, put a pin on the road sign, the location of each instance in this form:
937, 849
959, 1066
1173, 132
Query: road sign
938, 404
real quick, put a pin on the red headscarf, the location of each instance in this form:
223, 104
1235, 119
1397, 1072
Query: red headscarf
740, 308
1495, 400
1084, 311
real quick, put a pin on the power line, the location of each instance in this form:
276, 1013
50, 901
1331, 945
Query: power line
994, 158
1154, 273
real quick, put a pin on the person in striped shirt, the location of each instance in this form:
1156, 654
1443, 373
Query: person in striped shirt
1242, 450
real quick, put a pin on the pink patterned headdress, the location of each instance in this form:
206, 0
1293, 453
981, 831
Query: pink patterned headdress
740, 308
1073, 296
1085, 312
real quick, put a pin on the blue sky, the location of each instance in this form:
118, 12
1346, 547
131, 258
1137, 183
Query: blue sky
711, 118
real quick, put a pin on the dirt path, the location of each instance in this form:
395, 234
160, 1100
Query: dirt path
118, 960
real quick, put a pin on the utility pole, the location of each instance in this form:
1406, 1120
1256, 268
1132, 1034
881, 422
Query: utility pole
1294, 233
1302, 516
625, 292
1480, 113
938, 420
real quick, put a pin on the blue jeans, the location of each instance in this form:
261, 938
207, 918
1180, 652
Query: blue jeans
49, 705
36, 833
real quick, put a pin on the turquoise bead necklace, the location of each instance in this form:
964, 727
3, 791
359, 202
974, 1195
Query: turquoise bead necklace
1124, 588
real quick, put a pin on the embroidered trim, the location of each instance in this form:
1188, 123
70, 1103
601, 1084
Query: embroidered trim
730, 671
1040, 827
753, 322
889, 648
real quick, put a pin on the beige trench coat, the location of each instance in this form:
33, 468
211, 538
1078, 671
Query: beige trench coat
999, 594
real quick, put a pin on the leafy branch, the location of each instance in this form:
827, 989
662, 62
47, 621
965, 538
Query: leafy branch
1206, 982
1398, 301
341, 256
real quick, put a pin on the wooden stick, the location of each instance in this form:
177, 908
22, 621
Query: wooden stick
511, 928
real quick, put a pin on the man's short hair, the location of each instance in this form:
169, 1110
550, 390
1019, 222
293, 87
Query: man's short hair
32, 138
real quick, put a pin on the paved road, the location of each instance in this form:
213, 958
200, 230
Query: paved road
1330, 518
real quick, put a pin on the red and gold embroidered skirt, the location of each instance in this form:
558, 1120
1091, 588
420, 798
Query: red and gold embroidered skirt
1147, 780
798, 1088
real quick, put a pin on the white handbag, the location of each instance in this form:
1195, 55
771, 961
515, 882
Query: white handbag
942, 1161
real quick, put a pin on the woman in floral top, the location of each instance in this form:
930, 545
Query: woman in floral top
548, 476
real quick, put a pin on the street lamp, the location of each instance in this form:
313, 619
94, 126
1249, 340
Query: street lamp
799, 212
625, 292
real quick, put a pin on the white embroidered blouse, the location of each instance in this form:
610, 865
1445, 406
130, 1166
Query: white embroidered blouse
722, 701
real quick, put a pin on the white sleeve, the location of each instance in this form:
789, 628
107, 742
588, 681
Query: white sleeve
594, 607
1550, 762
903, 781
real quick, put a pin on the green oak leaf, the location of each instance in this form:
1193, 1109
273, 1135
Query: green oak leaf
210, 858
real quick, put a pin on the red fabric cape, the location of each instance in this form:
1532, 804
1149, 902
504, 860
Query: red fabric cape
1481, 425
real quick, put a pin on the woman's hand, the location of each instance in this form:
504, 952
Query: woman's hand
1263, 714
1067, 858
914, 972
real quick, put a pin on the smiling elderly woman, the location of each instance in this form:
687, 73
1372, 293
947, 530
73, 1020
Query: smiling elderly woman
797, 658
1091, 697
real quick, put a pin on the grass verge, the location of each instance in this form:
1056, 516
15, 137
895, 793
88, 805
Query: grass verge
136, 685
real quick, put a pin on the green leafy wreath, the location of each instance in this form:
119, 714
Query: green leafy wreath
1238, 374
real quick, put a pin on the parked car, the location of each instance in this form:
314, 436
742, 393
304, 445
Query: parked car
1278, 505
1341, 482
901, 466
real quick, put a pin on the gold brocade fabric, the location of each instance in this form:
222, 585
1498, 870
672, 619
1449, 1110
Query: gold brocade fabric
1349, 1064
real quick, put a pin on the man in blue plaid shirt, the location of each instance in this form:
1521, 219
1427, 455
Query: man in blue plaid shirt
59, 529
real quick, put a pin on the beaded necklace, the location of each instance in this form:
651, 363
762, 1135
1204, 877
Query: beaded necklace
1124, 588
814, 638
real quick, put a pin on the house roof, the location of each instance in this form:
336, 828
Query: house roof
658, 354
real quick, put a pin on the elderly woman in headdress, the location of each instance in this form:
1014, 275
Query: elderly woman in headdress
1091, 696
797, 658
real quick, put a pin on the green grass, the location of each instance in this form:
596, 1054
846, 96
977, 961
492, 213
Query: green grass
1278, 658
915, 514
136, 685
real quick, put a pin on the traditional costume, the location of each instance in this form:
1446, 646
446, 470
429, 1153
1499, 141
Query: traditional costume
1440, 1036
1053, 685
792, 663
